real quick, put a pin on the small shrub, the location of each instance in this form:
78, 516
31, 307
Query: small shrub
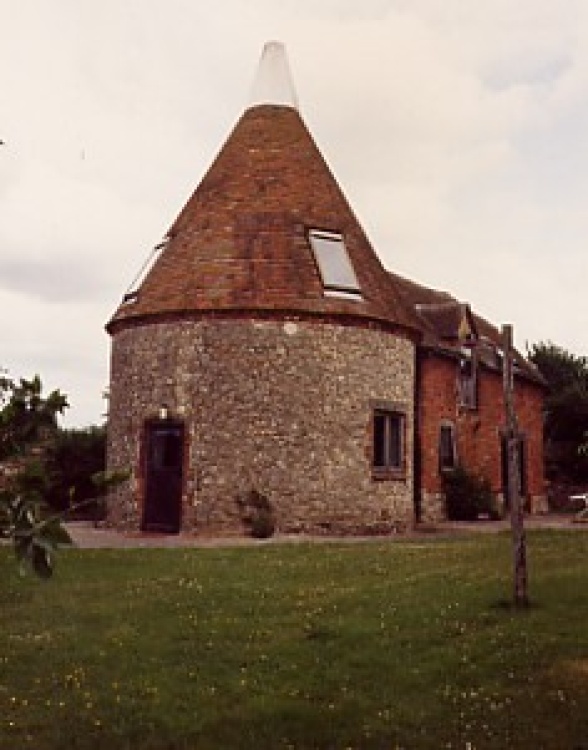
257, 513
263, 524
468, 496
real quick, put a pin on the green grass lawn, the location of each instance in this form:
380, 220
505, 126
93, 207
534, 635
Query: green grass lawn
398, 644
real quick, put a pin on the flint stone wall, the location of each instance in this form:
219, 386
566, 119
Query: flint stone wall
284, 407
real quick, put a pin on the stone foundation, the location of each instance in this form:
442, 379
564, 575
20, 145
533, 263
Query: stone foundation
432, 507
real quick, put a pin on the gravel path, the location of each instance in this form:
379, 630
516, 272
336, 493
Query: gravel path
87, 536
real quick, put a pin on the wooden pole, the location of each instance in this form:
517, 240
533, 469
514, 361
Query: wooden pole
521, 598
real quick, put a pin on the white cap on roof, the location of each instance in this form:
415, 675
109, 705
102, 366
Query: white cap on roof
273, 81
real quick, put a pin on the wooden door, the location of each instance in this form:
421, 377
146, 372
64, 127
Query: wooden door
163, 472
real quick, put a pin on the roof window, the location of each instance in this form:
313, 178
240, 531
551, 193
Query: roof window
334, 264
132, 293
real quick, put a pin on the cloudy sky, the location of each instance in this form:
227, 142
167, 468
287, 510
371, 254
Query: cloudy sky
458, 130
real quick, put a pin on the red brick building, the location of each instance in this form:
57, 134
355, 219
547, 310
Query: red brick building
460, 406
267, 348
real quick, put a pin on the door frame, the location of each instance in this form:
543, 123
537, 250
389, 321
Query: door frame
174, 522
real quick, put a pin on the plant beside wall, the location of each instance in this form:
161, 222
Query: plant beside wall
74, 459
468, 496
257, 513
44, 470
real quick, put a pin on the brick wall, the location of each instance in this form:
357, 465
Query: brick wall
281, 406
477, 431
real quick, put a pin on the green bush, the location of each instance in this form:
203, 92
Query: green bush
32, 482
257, 513
73, 458
468, 496
263, 524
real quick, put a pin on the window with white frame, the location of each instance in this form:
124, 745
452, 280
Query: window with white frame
334, 264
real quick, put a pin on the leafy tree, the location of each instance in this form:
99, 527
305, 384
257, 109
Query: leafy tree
73, 460
26, 418
566, 405
25, 414
64, 467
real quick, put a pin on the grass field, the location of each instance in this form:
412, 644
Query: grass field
370, 645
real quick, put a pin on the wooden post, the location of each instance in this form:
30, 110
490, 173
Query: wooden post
513, 473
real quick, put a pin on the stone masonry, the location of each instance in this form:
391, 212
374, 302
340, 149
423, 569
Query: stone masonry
272, 333
280, 405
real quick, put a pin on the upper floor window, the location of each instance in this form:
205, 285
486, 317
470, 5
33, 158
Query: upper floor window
388, 442
334, 264
468, 379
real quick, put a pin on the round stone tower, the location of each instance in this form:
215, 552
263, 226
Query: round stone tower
266, 349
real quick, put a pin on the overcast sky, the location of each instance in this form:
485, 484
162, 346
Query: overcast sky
458, 130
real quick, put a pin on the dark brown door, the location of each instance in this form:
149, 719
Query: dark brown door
164, 464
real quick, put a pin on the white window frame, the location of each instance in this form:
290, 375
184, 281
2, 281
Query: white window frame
329, 250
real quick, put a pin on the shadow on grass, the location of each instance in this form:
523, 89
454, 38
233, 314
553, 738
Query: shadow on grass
297, 727
509, 605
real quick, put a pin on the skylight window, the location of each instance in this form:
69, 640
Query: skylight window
132, 292
334, 264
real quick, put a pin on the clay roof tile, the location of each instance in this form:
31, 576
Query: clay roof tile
242, 241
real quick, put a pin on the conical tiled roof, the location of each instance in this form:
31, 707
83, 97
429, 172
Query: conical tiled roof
241, 243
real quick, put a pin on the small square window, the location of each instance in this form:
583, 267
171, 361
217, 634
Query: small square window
388, 442
447, 448
334, 264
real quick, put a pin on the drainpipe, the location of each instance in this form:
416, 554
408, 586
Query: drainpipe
416, 440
